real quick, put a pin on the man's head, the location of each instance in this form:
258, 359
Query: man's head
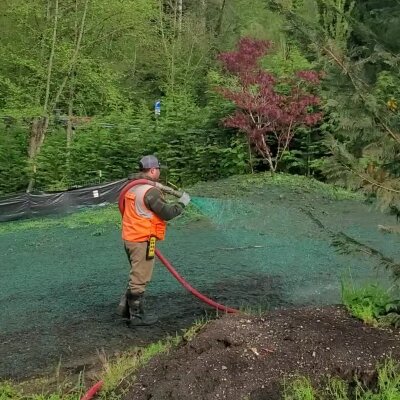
150, 166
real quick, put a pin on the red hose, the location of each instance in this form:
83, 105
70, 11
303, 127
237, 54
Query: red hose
191, 289
121, 205
92, 391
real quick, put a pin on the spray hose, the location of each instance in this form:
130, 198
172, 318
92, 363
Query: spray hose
121, 205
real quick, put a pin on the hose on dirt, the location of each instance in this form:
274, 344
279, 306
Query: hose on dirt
121, 205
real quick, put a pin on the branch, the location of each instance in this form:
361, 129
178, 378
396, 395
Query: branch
252, 118
267, 153
289, 136
74, 56
392, 134
163, 33
279, 153
107, 35
241, 248
369, 180
51, 58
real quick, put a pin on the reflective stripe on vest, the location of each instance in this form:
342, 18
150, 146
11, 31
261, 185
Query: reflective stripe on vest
138, 222
140, 191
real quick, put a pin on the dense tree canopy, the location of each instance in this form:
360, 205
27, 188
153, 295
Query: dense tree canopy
79, 79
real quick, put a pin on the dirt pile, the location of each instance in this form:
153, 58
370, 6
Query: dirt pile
241, 357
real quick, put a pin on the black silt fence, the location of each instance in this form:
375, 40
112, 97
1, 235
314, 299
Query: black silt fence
27, 205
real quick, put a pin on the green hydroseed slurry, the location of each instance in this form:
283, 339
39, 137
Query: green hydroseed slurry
245, 245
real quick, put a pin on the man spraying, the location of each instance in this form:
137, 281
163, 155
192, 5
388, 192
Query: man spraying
143, 223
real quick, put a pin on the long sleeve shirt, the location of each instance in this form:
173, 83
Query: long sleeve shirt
155, 201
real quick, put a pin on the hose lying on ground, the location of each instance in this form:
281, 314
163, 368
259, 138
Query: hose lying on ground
121, 204
192, 290
92, 391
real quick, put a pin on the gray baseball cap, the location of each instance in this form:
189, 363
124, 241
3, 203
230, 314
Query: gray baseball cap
148, 162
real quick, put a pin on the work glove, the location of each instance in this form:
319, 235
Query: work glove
184, 199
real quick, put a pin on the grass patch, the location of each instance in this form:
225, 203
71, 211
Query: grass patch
89, 217
313, 185
386, 387
299, 388
372, 304
258, 310
365, 303
116, 373
8, 391
240, 185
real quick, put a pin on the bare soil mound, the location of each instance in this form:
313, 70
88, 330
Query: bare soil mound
248, 357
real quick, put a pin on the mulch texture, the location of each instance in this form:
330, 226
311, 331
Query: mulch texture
249, 357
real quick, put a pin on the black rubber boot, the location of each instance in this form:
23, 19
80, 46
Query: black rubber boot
138, 317
123, 307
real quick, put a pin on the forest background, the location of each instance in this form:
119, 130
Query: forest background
79, 80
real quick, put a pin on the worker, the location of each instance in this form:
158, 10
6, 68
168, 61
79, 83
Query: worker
144, 222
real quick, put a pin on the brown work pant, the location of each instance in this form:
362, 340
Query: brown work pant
141, 268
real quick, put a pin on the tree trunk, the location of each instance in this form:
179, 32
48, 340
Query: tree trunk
42, 53
204, 17
39, 125
74, 55
250, 156
37, 133
51, 58
218, 28
180, 16
70, 131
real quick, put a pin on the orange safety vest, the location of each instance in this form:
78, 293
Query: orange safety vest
138, 222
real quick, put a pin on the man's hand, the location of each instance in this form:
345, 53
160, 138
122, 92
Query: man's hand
184, 199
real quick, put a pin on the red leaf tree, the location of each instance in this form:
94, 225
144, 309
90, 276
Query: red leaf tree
268, 109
